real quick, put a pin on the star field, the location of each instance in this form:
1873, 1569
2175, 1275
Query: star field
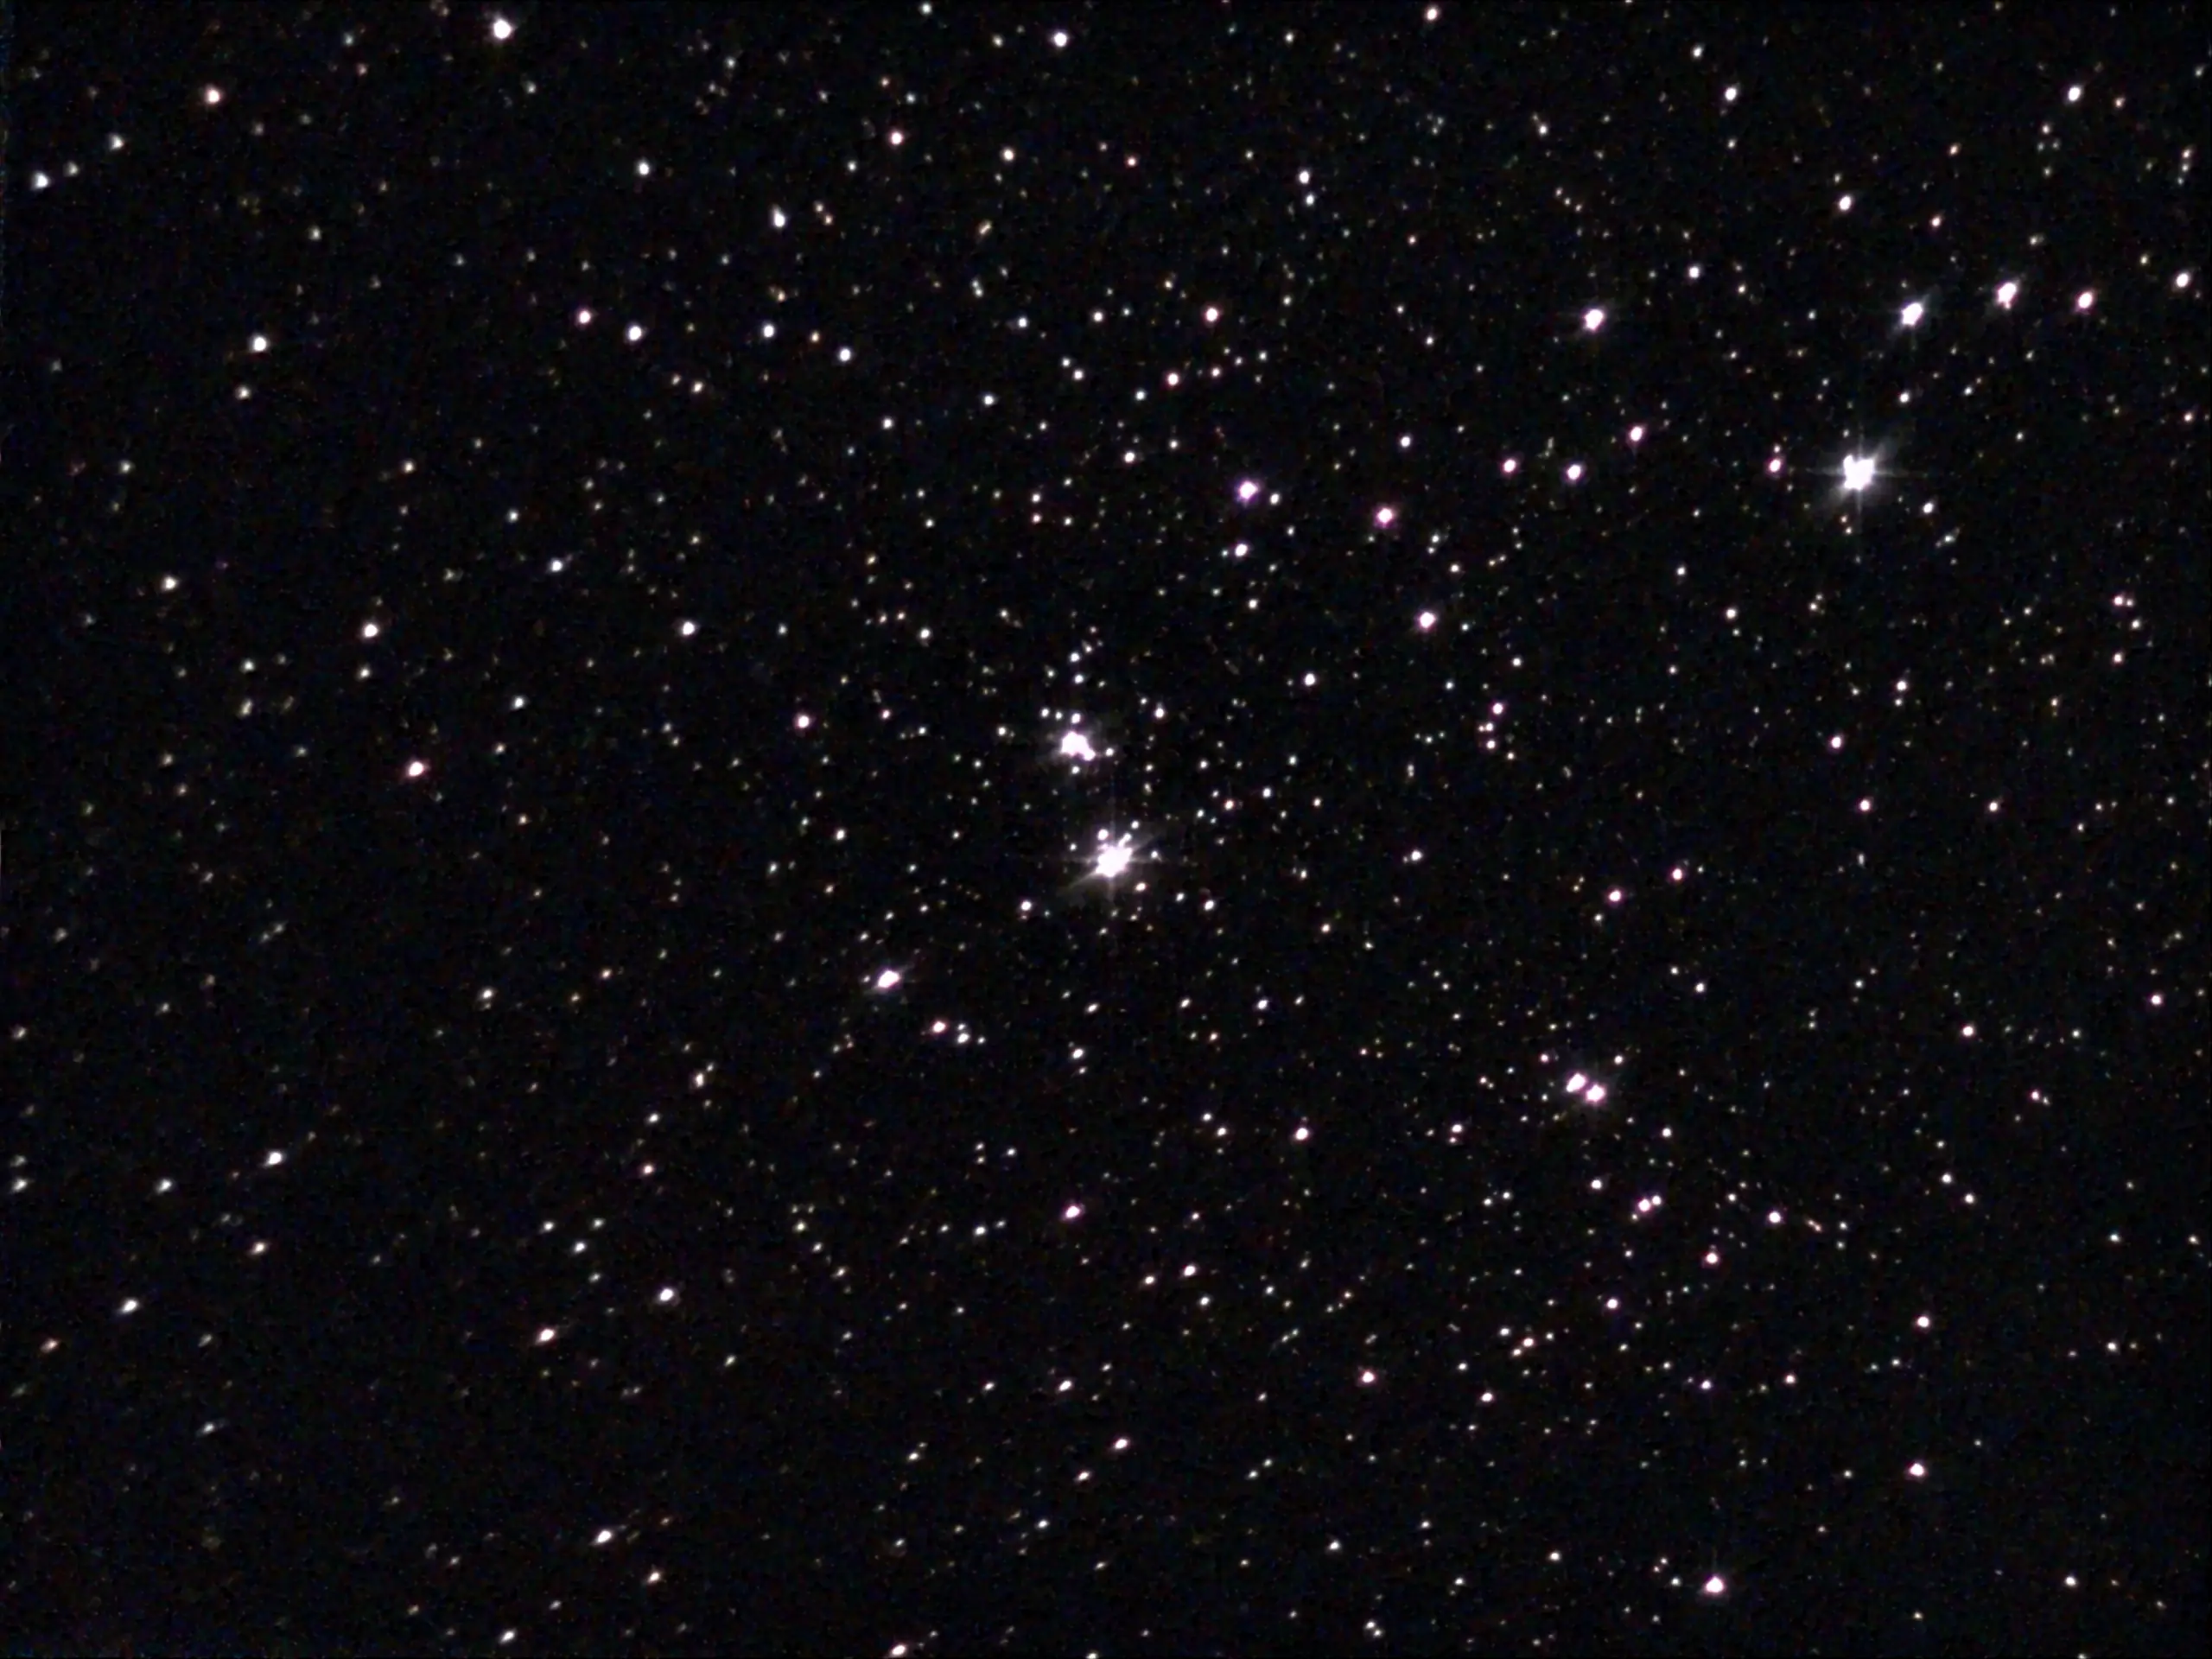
1236, 830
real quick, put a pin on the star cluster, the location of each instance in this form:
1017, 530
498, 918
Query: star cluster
1178, 831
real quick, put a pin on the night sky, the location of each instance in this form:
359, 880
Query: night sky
1219, 830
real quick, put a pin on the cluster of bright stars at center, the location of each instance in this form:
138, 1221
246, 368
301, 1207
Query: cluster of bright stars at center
1115, 856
